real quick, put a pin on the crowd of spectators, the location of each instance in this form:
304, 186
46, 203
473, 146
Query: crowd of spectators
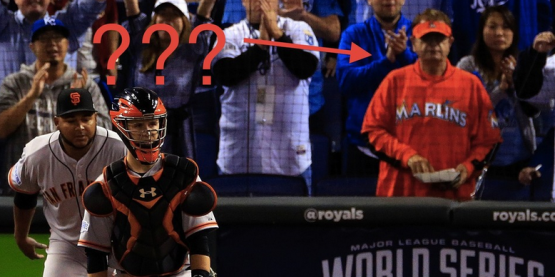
265, 103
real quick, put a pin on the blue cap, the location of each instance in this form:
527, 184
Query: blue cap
45, 24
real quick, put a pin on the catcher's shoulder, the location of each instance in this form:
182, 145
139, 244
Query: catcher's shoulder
96, 201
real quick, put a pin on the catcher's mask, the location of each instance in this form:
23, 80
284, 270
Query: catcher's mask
138, 105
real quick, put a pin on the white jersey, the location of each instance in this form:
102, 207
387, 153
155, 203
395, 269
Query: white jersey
273, 137
44, 167
96, 231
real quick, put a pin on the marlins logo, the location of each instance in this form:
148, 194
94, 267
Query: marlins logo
444, 111
75, 98
403, 113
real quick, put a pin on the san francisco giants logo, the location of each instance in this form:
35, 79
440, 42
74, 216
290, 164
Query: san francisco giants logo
75, 98
151, 192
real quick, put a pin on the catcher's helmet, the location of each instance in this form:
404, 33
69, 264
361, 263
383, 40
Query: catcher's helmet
140, 104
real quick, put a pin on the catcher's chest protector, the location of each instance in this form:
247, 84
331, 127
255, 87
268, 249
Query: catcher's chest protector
148, 237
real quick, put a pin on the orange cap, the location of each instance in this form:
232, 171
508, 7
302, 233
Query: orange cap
431, 27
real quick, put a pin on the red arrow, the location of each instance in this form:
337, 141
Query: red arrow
355, 52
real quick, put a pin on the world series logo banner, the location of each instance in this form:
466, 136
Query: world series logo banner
385, 252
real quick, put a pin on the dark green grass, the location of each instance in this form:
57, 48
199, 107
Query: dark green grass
14, 264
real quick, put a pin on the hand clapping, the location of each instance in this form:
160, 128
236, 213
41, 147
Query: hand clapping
507, 68
268, 22
396, 43
544, 42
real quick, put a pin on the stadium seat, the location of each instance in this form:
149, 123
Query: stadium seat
258, 185
346, 186
320, 157
207, 153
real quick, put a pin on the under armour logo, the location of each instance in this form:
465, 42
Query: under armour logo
432, 25
75, 98
151, 192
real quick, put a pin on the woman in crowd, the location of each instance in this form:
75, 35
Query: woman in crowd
181, 69
493, 60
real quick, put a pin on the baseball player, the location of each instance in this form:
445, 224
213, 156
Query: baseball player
148, 210
60, 165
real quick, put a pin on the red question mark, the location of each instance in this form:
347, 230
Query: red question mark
174, 42
111, 80
207, 80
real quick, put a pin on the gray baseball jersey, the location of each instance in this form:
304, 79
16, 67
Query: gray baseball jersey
44, 167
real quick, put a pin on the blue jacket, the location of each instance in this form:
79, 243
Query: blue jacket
358, 81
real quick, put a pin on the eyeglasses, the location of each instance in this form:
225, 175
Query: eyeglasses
47, 39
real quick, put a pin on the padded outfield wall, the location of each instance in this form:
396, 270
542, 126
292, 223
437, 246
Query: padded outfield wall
372, 236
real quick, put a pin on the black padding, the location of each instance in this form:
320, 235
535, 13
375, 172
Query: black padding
201, 200
95, 201
25, 201
171, 160
97, 261
198, 243
190, 169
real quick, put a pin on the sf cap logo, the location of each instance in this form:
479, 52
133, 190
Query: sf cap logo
75, 98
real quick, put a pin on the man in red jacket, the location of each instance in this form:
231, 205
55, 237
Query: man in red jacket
430, 116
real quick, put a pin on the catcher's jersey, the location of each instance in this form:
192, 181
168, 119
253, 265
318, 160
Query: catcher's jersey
96, 231
44, 167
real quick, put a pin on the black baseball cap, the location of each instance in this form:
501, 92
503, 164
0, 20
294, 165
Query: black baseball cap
74, 100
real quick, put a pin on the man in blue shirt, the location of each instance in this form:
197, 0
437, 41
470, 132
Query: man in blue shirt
385, 36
